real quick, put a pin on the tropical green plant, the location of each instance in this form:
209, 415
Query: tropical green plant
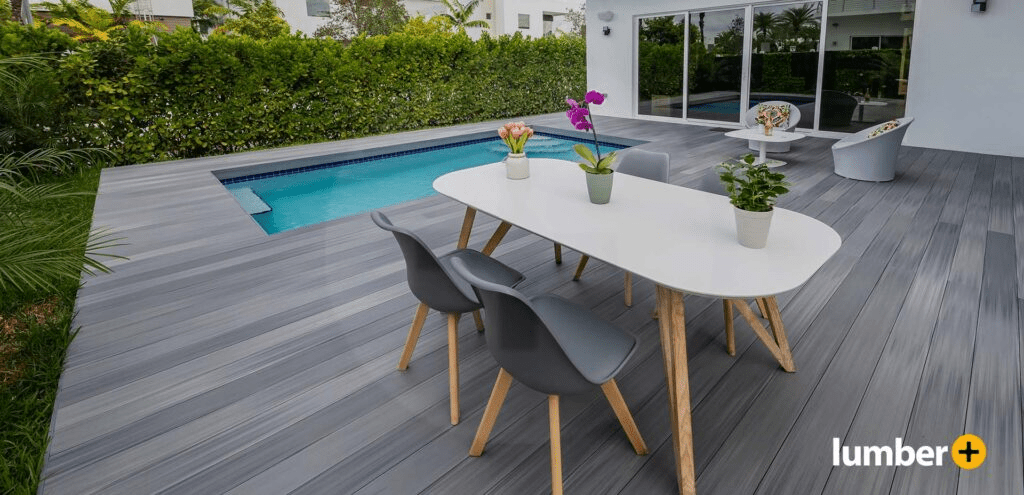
6, 10
38, 252
351, 18
750, 186
208, 14
460, 14
422, 26
577, 19
90, 23
260, 21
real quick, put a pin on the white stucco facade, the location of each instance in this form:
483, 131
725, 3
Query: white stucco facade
966, 79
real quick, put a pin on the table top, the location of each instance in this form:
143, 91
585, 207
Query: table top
872, 103
680, 238
757, 134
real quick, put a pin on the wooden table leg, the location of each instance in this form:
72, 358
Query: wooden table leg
499, 234
730, 334
467, 227
775, 342
673, 343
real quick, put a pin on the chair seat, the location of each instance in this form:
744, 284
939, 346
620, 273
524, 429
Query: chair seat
483, 266
596, 348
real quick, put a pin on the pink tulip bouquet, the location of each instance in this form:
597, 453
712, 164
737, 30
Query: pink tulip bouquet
583, 120
515, 135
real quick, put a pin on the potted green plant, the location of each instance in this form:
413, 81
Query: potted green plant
753, 190
515, 135
598, 168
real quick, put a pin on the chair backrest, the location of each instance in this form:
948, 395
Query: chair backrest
428, 279
519, 340
749, 118
647, 164
837, 108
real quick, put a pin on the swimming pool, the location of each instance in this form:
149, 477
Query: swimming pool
288, 199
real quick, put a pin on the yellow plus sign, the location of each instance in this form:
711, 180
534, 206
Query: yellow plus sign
968, 451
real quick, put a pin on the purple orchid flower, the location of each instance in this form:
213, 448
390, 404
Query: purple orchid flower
580, 117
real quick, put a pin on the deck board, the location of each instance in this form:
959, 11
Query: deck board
217, 359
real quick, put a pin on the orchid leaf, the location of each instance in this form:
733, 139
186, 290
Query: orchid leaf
585, 153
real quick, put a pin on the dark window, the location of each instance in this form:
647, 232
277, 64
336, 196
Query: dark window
318, 8
548, 18
488, 16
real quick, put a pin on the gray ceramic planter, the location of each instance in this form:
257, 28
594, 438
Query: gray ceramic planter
599, 186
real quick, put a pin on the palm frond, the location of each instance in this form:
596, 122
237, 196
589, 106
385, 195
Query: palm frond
15, 166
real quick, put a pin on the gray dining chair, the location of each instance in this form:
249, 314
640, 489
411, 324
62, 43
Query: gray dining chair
555, 347
649, 165
438, 287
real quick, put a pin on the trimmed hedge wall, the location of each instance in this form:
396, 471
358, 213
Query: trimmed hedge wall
188, 97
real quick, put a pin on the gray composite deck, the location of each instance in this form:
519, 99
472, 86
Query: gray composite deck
217, 359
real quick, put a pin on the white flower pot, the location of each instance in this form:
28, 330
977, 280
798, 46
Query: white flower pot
517, 166
752, 227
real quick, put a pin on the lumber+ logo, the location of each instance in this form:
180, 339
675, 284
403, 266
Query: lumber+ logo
968, 452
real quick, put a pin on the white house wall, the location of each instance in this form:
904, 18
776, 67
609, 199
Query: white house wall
966, 84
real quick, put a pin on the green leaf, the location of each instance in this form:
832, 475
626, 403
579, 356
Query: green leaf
585, 153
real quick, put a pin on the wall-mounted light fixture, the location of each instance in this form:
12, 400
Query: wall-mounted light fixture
979, 5
606, 16
606, 30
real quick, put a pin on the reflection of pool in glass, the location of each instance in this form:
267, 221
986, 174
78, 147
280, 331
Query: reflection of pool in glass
732, 107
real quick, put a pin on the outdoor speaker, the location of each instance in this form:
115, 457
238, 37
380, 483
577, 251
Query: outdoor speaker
978, 5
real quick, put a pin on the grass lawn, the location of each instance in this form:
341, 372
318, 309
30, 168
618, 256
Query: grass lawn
35, 330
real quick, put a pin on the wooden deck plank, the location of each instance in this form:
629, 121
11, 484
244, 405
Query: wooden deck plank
993, 406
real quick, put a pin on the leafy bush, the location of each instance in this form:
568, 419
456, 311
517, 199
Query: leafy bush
16, 39
188, 97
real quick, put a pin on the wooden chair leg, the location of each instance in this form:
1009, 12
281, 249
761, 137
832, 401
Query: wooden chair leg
414, 335
453, 365
483, 432
611, 391
558, 254
478, 320
554, 425
628, 289
579, 268
730, 333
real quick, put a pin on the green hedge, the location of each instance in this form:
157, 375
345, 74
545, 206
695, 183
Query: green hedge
188, 97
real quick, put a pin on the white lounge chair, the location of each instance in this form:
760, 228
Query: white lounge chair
870, 158
749, 121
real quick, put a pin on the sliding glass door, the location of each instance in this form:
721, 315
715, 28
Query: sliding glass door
713, 65
661, 51
784, 56
716, 65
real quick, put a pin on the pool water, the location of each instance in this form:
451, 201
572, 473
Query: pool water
307, 197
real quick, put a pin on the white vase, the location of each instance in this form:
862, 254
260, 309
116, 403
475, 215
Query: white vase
517, 166
766, 131
752, 227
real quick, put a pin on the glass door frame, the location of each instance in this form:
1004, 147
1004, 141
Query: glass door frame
748, 31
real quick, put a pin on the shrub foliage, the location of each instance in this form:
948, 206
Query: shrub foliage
187, 97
